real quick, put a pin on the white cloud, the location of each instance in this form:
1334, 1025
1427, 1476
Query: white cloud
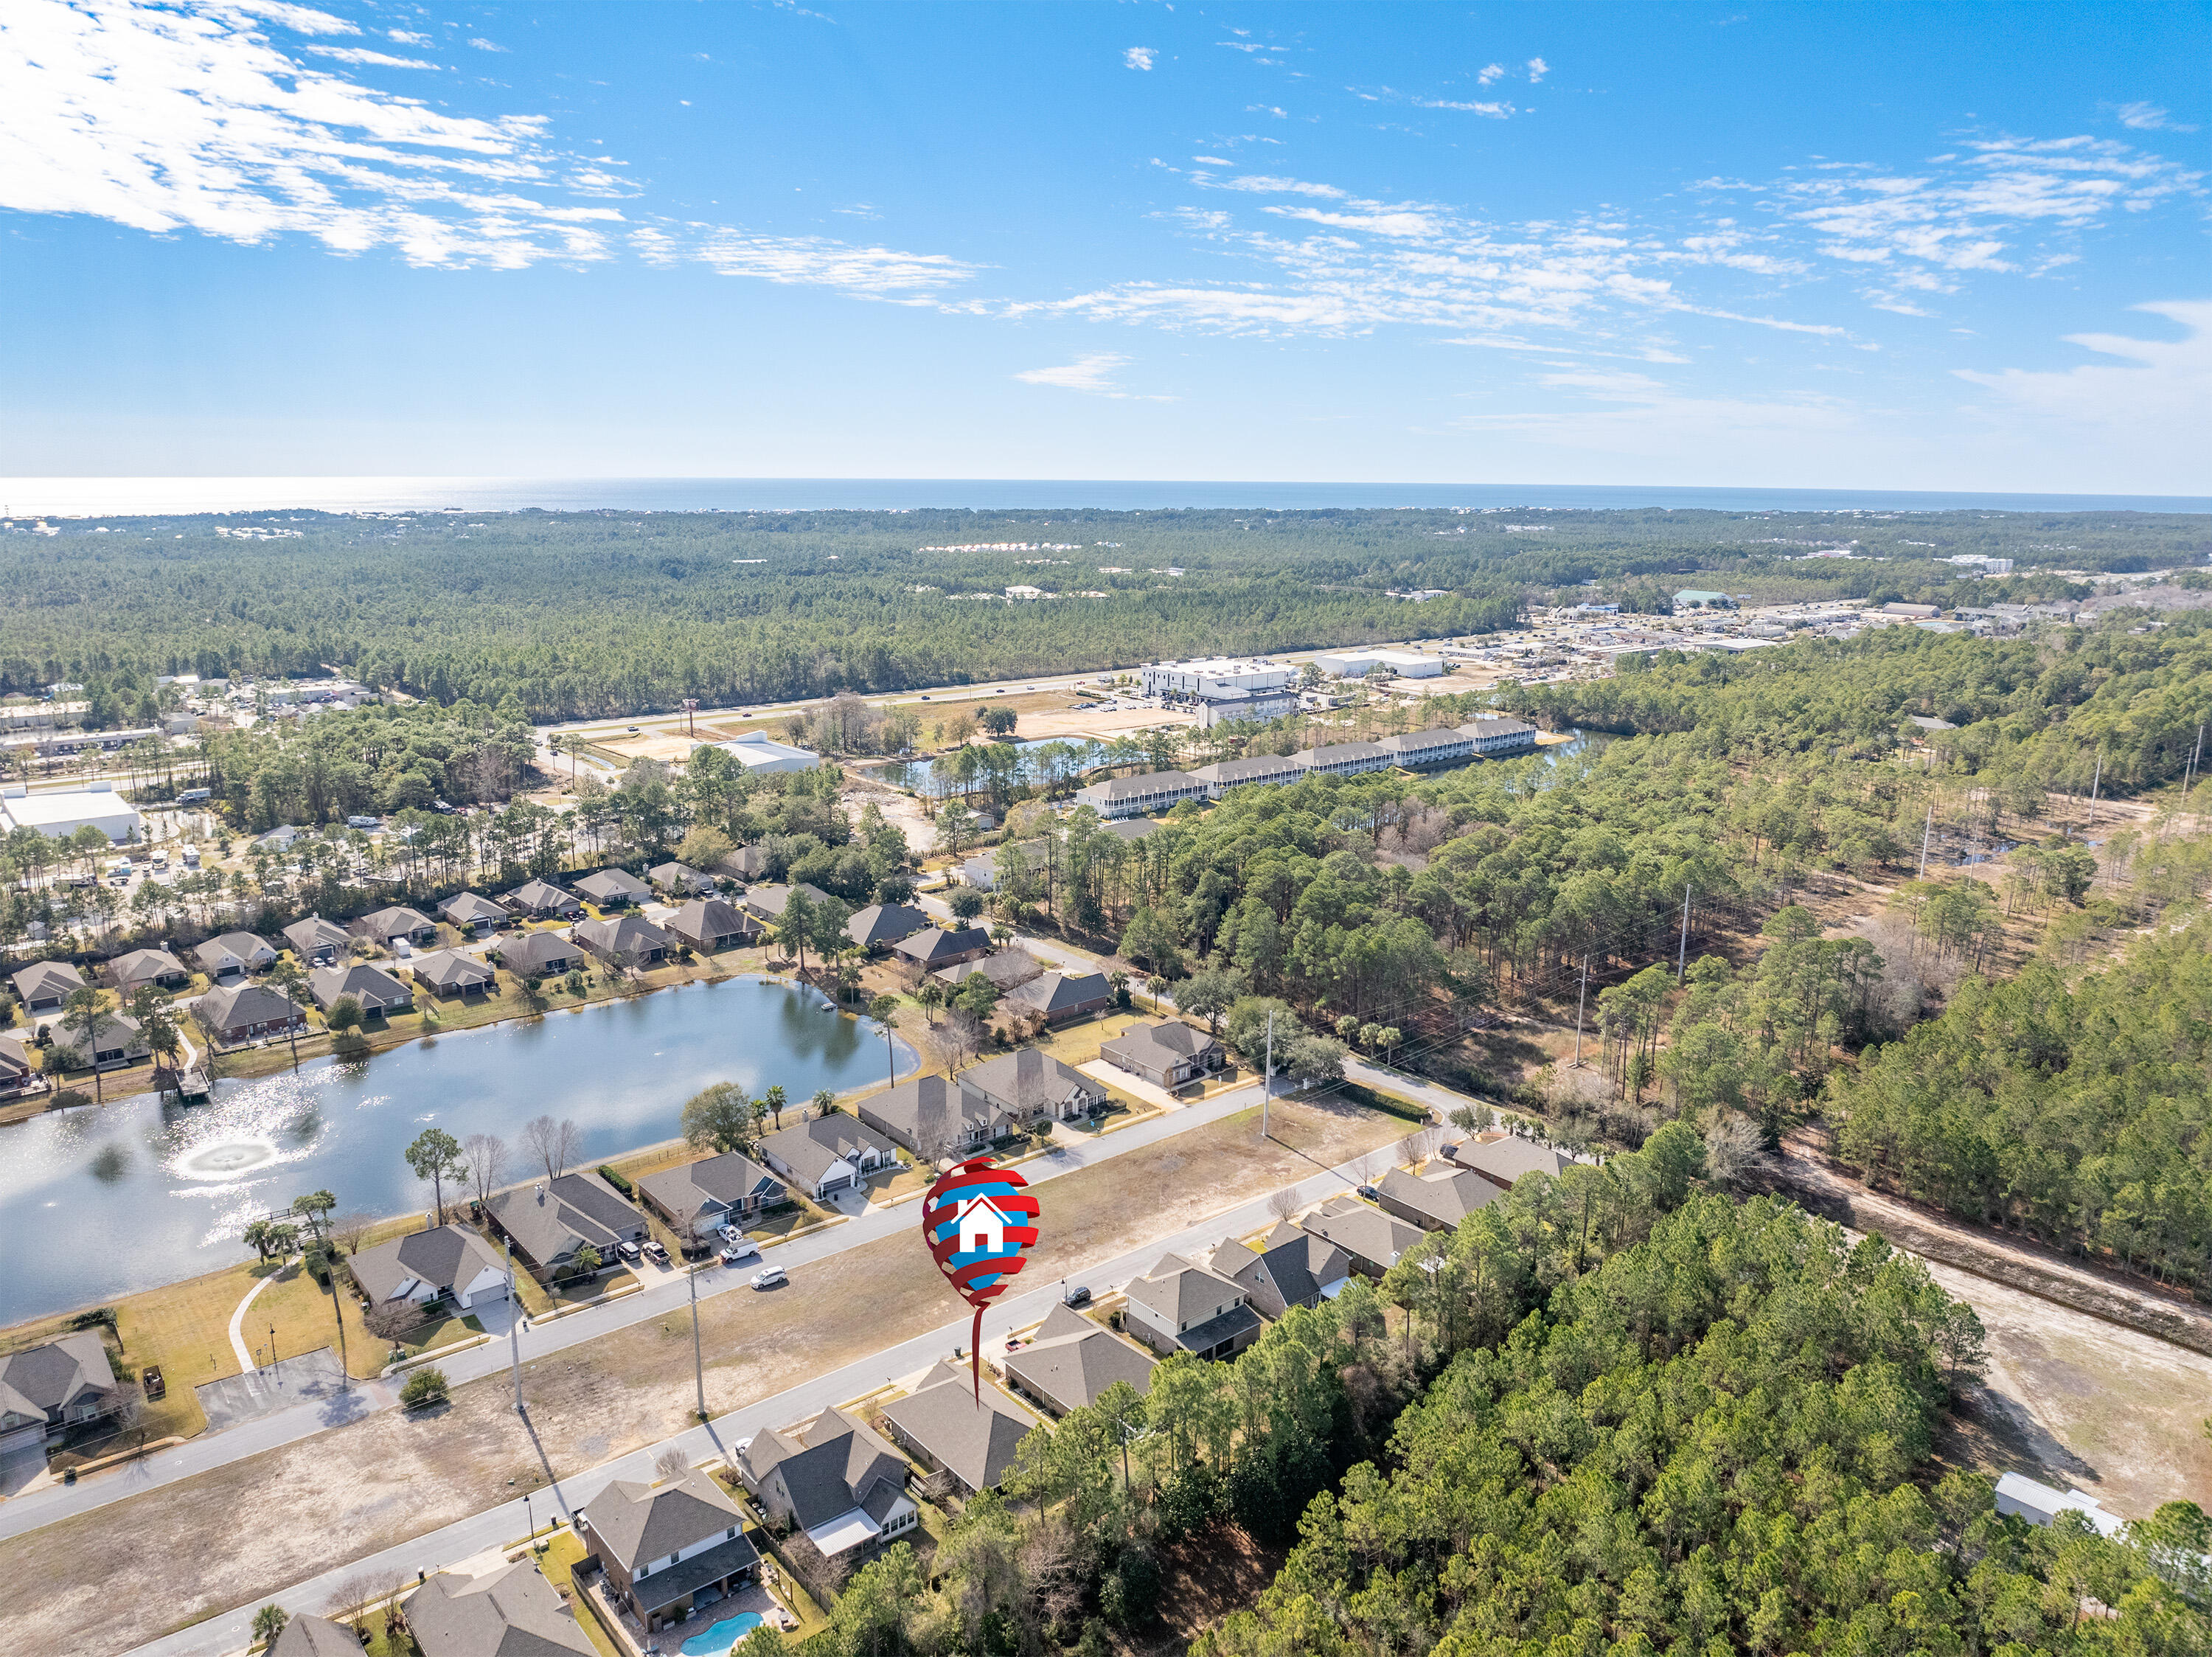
2159, 391
1265, 109
1537, 69
1214, 161
1140, 57
1390, 95
1093, 374
2149, 118
482, 45
405, 38
195, 119
1490, 72
363, 55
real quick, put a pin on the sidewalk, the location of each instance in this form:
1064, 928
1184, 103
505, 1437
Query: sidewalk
230, 1631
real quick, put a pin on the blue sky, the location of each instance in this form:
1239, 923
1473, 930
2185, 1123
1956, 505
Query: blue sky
1935, 247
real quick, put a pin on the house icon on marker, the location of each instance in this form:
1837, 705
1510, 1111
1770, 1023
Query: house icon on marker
982, 1228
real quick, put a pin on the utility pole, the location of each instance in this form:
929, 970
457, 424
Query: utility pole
1581, 999
1267, 1081
2095, 783
1924, 835
513, 1322
698, 1365
1682, 952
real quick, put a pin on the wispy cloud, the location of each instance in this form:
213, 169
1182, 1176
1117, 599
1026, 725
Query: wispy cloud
197, 119
1140, 57
1537, 69
362, 55
406, 37
1490, 72
1093, 374
482, 45
2149, 118
2159, 388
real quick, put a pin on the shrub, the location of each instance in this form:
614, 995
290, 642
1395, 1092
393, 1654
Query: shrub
69, 1098
424, 1386
616, 1180
966, 903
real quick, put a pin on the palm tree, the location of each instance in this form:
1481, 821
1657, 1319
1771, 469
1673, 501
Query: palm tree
885, 1010
848, 973
824, 1101
775, 1099
1001, 934
929, 998
292, 983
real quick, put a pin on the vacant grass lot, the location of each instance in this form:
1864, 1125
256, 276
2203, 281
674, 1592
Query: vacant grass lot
108, 1581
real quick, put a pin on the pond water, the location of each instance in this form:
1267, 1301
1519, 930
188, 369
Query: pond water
925, 776
105, 1200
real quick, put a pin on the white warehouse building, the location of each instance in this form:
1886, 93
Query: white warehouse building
1355, 664
64, 812
1216, 674
758, 752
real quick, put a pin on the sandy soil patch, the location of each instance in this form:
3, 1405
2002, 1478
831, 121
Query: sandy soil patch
109, 1579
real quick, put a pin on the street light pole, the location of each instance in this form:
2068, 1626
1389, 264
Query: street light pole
1682, 953
1268, 1081
513, 1322
698, 1365
1581, 999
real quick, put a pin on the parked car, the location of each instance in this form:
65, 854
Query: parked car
1078, 1295
655, 1252
1370, 1193
771, 1278
632, 729
629, 1252
360, 822
738, 1247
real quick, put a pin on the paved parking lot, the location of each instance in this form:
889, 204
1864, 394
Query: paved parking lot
309, 1378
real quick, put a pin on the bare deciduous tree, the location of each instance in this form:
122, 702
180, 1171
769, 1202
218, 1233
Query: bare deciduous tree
670, 1466
552, 1144
487, 1154
351, 1229
1283, 1204
389, 1319
963, 1033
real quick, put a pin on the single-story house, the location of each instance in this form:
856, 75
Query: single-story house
881, 925
1180, 1307
1289, 1268
826, 1154
155, 966
43, 986
386, 927
540, 955
1073, 1360
541, 900
1370, 1238
1029, 1083
46, 1390
681, 877
668, 1550
630, 939
1504, 1161
1130, 828
747, 862
934, 1117
1059, 996
946, 1426
2040, 1504
553, 1221
1009, 969
710, 925
374, 989
699, 1199
613, 888
473, 913
1438, 1197
16, 1075
836, 1479
766, 902
507, 1612
449, 972
444, 1262
115, 1040
317, 941
1168, 1054
308, 1635
937, 947
233, 955
248, 1012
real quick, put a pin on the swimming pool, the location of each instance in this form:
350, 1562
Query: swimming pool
720, 1638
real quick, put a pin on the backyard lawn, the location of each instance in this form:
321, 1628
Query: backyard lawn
559, 1561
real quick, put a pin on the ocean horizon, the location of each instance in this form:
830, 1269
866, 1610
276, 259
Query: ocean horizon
85, 497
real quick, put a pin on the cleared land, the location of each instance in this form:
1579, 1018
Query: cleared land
108, 1581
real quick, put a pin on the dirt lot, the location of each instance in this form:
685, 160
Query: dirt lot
131, 1571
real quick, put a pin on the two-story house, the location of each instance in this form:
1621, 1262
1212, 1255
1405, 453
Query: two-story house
836, 1479
668, 1550
1182, 1306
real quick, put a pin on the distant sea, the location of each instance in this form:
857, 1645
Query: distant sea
150, 497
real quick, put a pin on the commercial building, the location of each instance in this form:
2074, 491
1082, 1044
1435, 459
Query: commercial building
1357, 664
1215, 673
758, 752
64, 812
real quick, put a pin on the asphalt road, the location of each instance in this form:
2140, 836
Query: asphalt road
504, 1525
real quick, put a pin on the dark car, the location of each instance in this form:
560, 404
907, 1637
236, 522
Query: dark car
1370, 1193
1078, 1295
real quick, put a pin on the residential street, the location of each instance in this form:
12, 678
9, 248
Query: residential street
504, 1525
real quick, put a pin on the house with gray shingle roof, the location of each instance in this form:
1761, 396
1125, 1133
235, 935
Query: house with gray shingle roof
935, 946
630, 939
1029, 1083
613, 888
444, 1261
474, 913
449, 972
947, 1426
317, 941
315, 1637
934, 1117
375, 990
511, 1612
43, 986
1505, 1159
46, 1390
248, 1012
835, 1478
1072, 1359
681, 877
540, 955
1168, 1054
1370, 1238
712, 925
668, 1548
881, 925
826, 1154
384, 927
766, 902
1439, 1197
1009, 969
541, 900
1289, 1268
552, 1222
233, 955
1182, 1306
699, 1199
1057, 998
155, 967
16, 1075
